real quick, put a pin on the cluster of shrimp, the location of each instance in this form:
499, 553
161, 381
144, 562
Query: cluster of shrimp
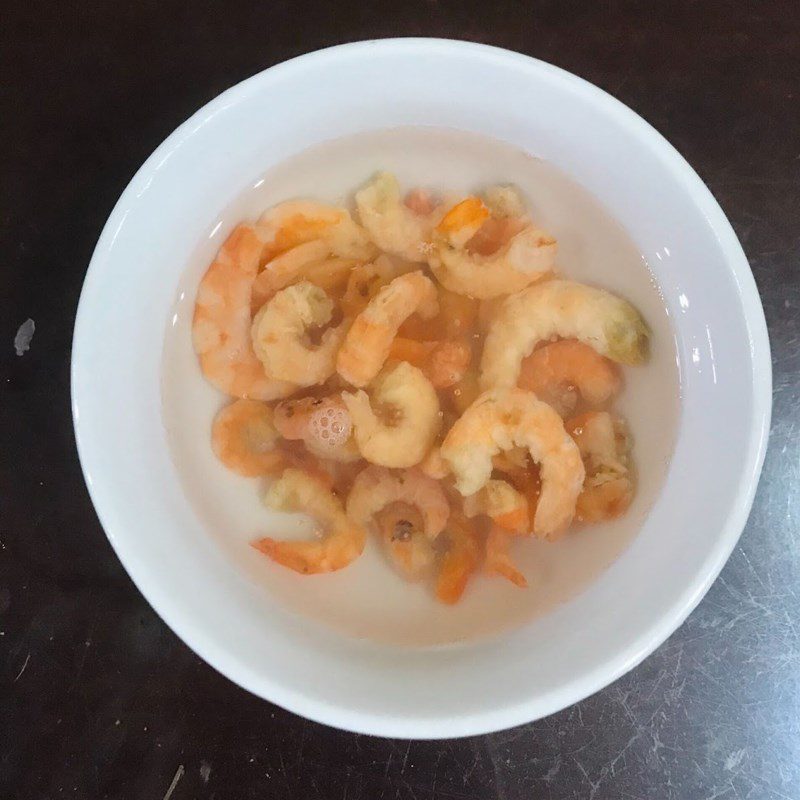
421, 372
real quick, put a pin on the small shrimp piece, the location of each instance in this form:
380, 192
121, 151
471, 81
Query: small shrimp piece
375, 488
297, 222
459, 562
504, 202
244, 438
484, 257
433, 465
369, 340
401, 228
604, 445
405, 542
298, 491
558, 372
280, 341
402, 427
323, 424
502, 503
221, 323
443, 363
498, 559
421, 202
448, 363
609, 324
505, 418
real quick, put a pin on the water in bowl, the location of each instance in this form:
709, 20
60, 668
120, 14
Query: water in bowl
368, 599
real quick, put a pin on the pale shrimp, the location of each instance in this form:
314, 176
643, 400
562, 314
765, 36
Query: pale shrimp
323, 424
402, 426
296, 222
310, 261
401, 228
404, 540
245, 439
502, 503
459, 561
484, 257
221, 324
504, 418
609, 324
344, 542
498, 558
560, 372
443, 363
367, 344
604, 445
376, 487
280, 335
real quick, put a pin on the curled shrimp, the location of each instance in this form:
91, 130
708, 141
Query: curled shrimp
323, 424
502, 503
369, 340
244, 438
221, 323
401, 228
498, 558
604, 445
310, 261
609, 324
443, 363
402, 426
484, 256
297, 222
376, 487
344, 542
280, 335
560, 371
504, 418
459, 561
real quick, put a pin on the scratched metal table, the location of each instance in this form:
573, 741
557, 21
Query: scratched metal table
99, 698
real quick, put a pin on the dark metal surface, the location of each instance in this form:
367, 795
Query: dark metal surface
99, 698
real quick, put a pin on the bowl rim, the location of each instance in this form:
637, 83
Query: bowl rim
528, 708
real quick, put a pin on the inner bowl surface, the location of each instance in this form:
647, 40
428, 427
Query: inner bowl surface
720, 340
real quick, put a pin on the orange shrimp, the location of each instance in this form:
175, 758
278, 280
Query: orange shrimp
559, 371
366, 345
221, 323
459, 562
442, 363
498, 559
502, 503
298, 491
604, 445
244, 438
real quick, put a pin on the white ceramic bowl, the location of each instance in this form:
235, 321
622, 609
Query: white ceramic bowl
721, 345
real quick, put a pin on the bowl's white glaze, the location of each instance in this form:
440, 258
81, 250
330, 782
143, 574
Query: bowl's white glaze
721, 343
